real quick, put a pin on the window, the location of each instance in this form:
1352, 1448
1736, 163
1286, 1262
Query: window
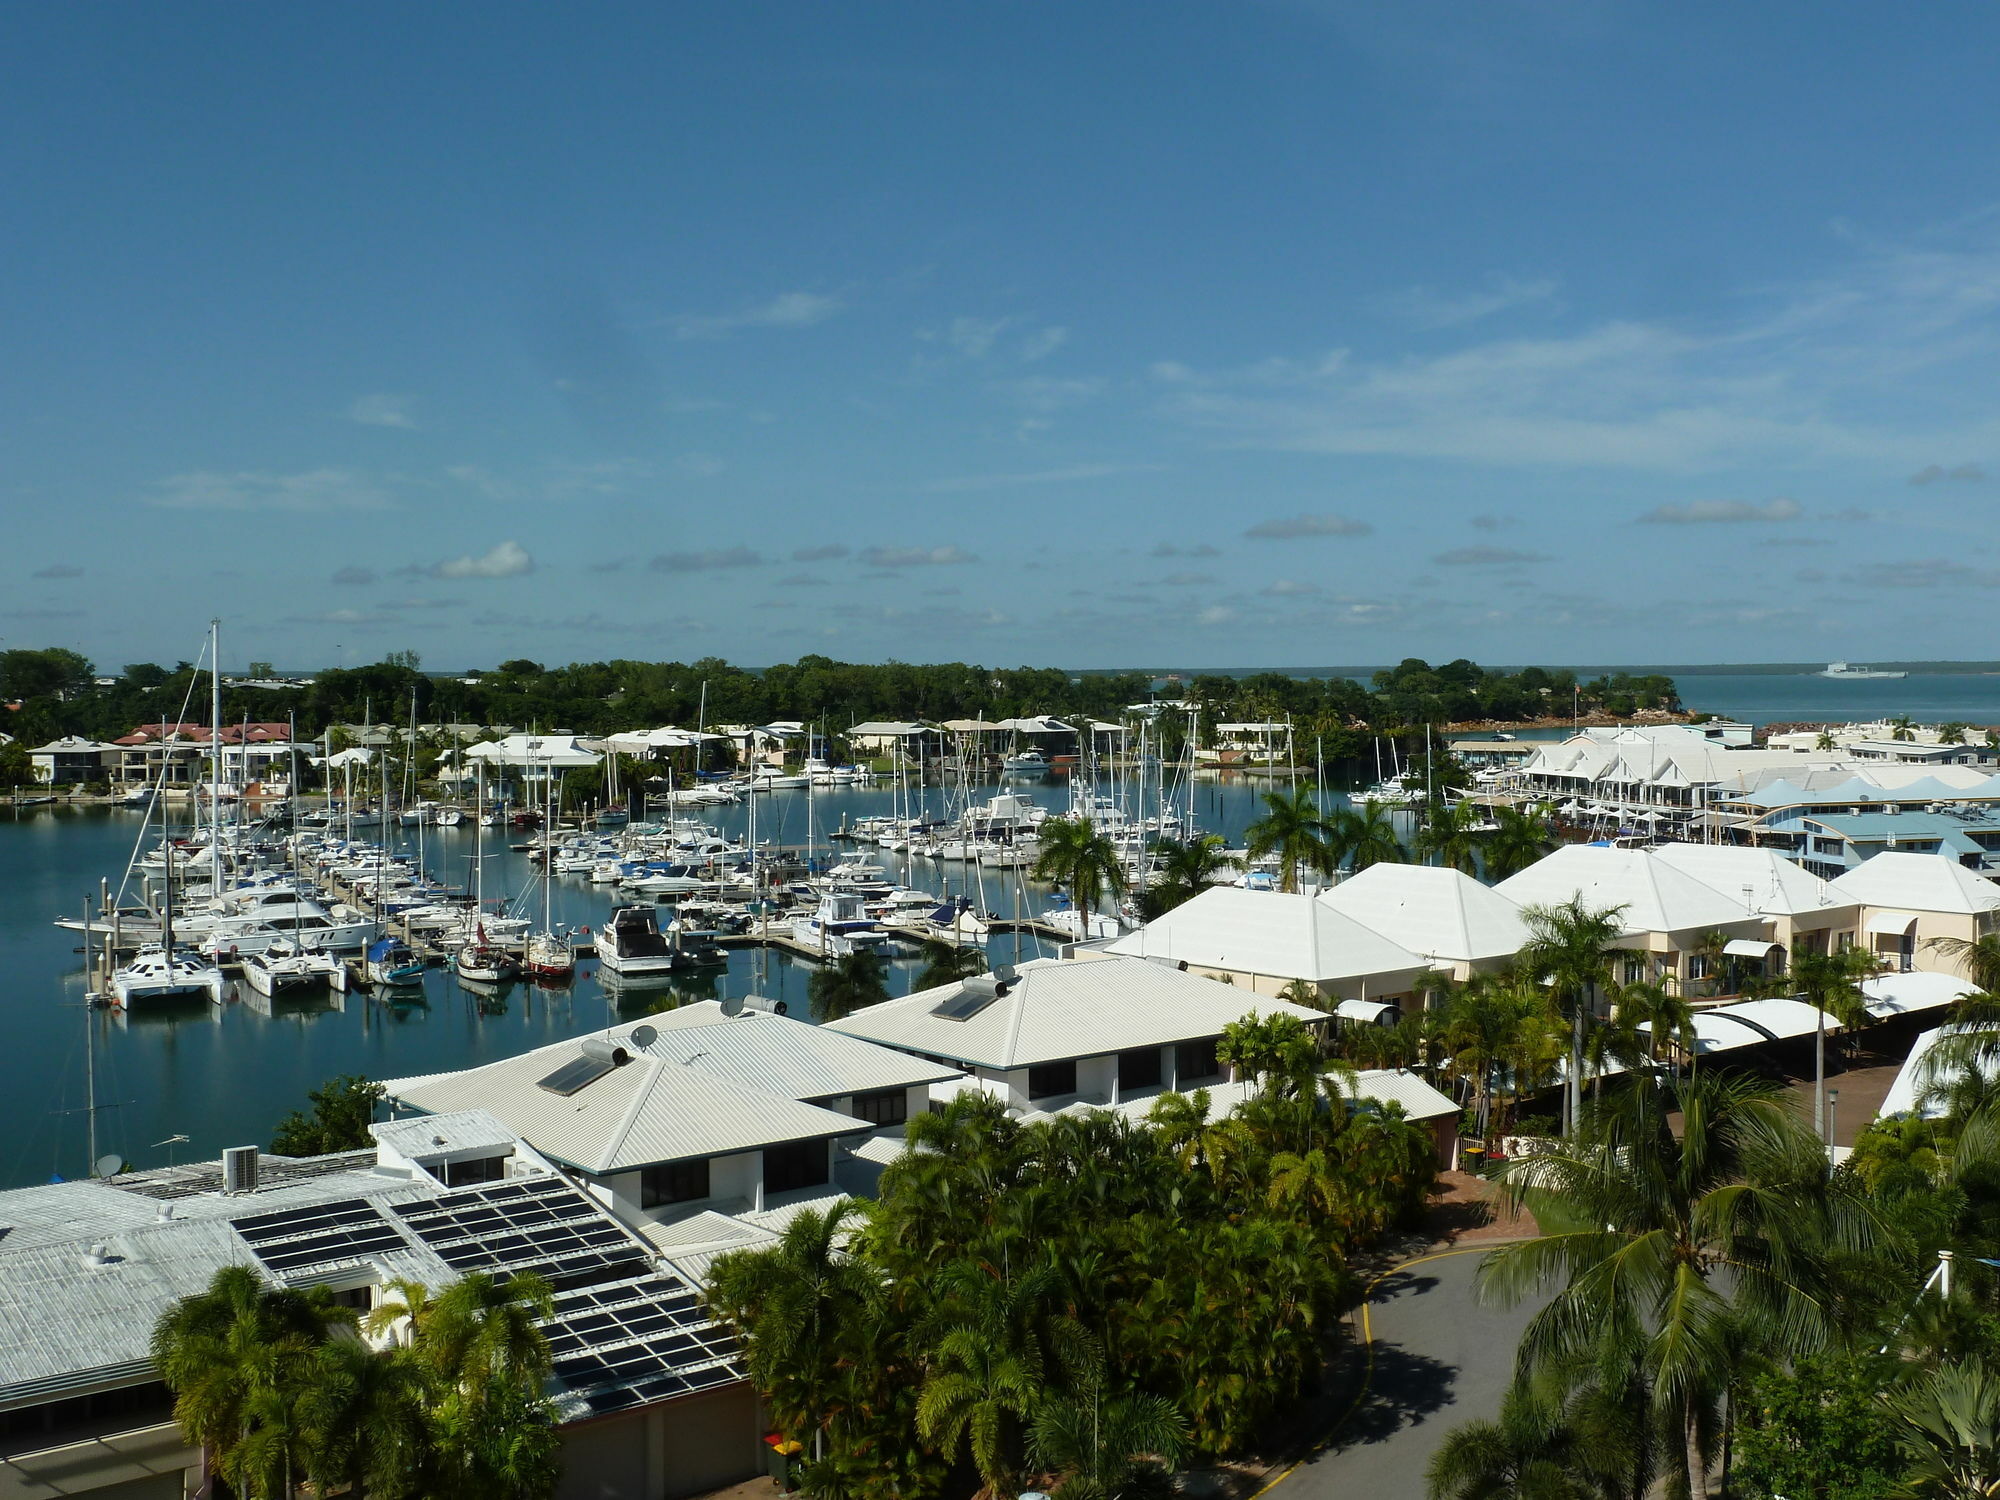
1138, 1069
1195, 1061
676, 1182
54, 1423
886, 1107
1049, 1079
360, 1298
801, 1164
480, 1169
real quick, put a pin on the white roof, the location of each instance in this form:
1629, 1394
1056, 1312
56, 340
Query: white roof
1920, 989
1058, 1009
1287, 936
1657, 897
1777, 886
1915, 1076
1917, 882
1431, 910
1727, 1027
71, 744
776, 1053
533, 750
646, 1112
880, 727
1419, 1100
639, 741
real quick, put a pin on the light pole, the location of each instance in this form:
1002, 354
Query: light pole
1832, 1103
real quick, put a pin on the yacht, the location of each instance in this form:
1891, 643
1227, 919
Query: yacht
480, 960
283, 966
1841, 671
839, 924
551, 955
393, 963
157, 974
1025, 763
631, 943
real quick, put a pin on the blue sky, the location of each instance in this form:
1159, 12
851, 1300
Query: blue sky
1080, 334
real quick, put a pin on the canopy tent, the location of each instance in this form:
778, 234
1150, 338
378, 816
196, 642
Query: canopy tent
1900, 994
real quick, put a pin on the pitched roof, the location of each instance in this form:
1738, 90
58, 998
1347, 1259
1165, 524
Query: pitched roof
642, 1114
1778, 887
1431, 910
1917, 882
1269, 932
1058, 1009
776, 1053
1656, 896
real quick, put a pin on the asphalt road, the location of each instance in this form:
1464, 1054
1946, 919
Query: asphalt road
1436, 1358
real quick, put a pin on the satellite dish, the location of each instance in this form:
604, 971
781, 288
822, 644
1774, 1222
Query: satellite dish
107, 1165
642, 1037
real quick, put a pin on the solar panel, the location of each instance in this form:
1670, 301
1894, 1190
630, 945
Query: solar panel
349, 1229
574, 1075
973, 996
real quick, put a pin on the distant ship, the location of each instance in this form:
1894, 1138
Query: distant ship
1845, 673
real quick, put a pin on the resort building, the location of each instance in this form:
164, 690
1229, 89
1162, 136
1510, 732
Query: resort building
1094, 1030
1444, 916
1830, 844
1667, 916
1906, 900
705, 1127
1265, 941
653, 1399
1804, 912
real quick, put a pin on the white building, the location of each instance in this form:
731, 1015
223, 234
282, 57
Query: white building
1905, 900
1443, 916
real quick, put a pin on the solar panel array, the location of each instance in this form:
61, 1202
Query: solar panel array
538, 1225
623, 1346
318, 1234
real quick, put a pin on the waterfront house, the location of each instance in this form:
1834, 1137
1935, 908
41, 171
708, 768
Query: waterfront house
1443, 916
877, 737
72, 761
1668, 918
1905, 900
1805, 914
1056, 1032
1264, 941
652, 1397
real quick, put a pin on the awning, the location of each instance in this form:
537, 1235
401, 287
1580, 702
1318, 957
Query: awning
1748, 947
1727, 1027
1900, 994
1898, 922
1366, 1010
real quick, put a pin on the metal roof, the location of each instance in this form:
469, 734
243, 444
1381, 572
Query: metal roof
1917, 882
776, 1053
1656, 896
1058, 1009
1284, 935
1431, 910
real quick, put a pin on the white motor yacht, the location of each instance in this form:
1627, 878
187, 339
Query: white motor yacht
631, 944
284, 967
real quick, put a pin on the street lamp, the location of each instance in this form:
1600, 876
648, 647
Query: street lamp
1832, 1103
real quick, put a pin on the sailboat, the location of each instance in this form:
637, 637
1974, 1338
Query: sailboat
163, 970
549, 954
480, 960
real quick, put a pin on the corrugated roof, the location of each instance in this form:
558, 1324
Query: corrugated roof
777, 1053
1656, 896
1270, 932
1059, 1009
647, 1112
1431, 910
1917, 882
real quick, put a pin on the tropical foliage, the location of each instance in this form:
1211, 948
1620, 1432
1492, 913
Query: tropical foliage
1076, 1301
848, 982
1294, 829
284, 1396
1083, 862
342, 1110
947, 963
1184, 869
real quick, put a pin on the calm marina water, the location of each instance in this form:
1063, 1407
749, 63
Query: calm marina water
224, 1076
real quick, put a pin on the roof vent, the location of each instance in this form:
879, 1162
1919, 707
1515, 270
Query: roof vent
239, 1169
97, 1257
166, 1213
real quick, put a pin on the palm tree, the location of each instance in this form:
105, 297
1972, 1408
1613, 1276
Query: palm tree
843, 985
1902, 727
1567, 946
1451, 836
1535, 1451
364, 1418
1481, 1028
1186, 868
1831, 983
1520, 838
1979, 957
1683, 1252
1666, 1017
1952, 732
1084, 862
1295, 828
947, 963
1948, 1421
1367, 836
237, 1357
1101, 1444
1823, 741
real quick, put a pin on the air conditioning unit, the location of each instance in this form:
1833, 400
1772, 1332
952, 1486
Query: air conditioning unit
239, 1169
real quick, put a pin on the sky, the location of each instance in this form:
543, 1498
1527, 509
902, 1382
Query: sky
1093, 335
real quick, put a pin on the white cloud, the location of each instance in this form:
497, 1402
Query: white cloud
702, 562
1938, 473
1288, 528
249, 490
1288, 588
1043, 342
508, 560
975, 337
382, 410
1073, 474
1699, 512
1435, 309
1215, 614
915, 557
1486, 557
790, 310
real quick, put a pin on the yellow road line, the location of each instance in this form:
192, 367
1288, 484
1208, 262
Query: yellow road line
1368, 1371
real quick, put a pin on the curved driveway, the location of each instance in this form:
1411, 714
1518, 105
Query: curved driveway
1434, 1357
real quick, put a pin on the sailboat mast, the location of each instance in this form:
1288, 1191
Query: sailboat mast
215, 754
